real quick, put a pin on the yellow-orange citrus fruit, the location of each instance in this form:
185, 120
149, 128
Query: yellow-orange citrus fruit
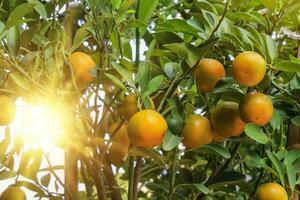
225, 119
120, 144
13, 193
271, 191
218, 138
208, 72
129, 106
7, 110
120, 133
147, 128
249, 68
256, 108
82, 65
117, 153
196, 131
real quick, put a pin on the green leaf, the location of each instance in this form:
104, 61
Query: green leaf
278, 167
123, 72
271, 48
154, 85
171, 69
116, 81
20, 81
135, 151
81, 35
116, 3
215, 149
288, 66
292, 156
291, 174
13, 39
270, 4
146, 9
45, 180
256, 133
143, 75
15, 18
170, 141
255, 160
29, 186
296, 120
7, 175
276, 120
176, 25
39, 7
201, 188
150, 50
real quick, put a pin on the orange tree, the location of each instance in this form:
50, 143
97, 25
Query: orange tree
159, 99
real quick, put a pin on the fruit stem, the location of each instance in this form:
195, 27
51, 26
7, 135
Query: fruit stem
131, 178
222, 18
137, 176
173, 168
169, 91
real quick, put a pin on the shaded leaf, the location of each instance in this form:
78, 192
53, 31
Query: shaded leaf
215, 149
15, 18
170, 141
278, 167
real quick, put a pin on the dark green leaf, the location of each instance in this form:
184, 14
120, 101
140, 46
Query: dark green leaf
291, 174
15, 18
201, 188
296, 120
227, 178
123, 72
154, 85
215, 149
278, 167
116, 81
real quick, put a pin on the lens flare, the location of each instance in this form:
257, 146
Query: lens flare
41, 125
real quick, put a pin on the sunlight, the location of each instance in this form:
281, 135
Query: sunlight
40, 125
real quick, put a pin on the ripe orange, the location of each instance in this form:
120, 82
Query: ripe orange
249, 68
271, 191
117, 153
218, 138
82, 65
120, 144
13, 193
256, 108
225, 119
147, 128
8, 110
129, 106
196, 131
208, 72
120, 135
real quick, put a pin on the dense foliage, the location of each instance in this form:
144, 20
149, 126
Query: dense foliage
150, 48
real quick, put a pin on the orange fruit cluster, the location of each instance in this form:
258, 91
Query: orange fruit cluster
228, 118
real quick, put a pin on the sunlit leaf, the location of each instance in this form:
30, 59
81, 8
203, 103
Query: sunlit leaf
256, 133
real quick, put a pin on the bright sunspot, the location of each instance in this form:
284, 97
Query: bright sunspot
39, 125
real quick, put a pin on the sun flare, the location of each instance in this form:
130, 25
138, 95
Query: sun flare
39, 125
